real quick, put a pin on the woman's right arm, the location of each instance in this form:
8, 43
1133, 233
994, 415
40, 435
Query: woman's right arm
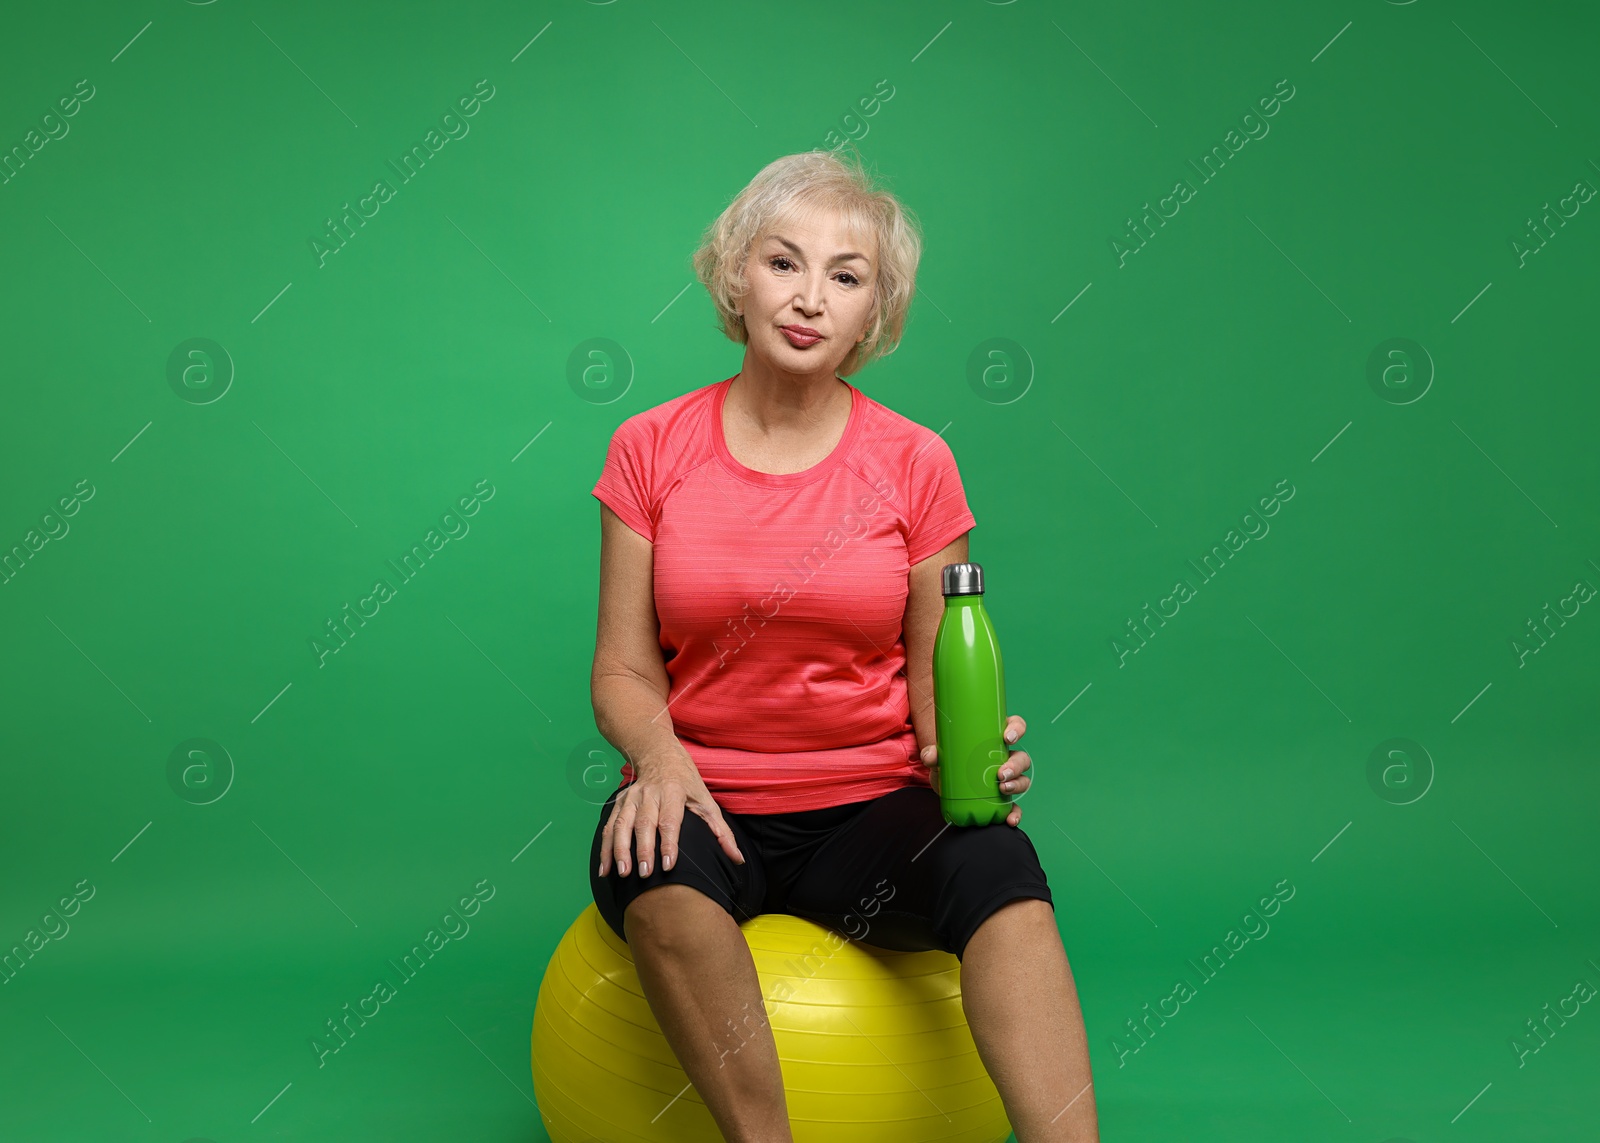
628, 688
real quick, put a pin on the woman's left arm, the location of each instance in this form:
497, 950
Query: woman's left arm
924, 607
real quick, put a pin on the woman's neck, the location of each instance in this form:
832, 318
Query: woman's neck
774, 401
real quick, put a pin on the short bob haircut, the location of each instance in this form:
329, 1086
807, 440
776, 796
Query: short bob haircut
790, 187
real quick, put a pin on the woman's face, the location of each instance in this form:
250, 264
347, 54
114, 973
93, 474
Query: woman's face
815, 275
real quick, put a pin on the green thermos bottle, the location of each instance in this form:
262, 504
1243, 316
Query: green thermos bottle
969, 698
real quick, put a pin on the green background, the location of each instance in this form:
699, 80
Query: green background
1135, 413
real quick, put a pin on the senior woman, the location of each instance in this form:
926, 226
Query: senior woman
771, 547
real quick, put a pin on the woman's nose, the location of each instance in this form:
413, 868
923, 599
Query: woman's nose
808, 296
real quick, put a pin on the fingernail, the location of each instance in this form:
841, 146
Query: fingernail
644, 869
1011, 736
1004, 774
666, 862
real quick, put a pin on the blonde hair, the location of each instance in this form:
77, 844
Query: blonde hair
781, 192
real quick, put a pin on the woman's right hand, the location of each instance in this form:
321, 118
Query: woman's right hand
654, 803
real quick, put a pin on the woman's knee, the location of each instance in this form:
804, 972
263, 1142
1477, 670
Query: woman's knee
989, 862
988, 854
672, 917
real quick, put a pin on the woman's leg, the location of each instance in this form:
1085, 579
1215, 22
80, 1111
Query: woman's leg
701, 982
697, 973
1022, 1007
897, 876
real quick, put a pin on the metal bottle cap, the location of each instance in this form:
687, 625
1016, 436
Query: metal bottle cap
962, 579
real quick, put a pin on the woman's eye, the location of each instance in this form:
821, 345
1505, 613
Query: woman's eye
781, 262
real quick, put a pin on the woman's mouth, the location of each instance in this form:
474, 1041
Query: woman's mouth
800, 336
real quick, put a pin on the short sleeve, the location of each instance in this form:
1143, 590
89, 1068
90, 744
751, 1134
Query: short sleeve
626, 484
938, 502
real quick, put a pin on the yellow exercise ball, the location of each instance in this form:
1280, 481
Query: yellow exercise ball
874, 1044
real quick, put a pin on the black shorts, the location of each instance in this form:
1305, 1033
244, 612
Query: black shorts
888, 872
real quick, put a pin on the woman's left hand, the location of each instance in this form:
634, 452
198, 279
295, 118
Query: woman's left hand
1013, 779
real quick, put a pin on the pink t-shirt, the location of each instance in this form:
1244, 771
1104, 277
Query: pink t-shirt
781, 597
